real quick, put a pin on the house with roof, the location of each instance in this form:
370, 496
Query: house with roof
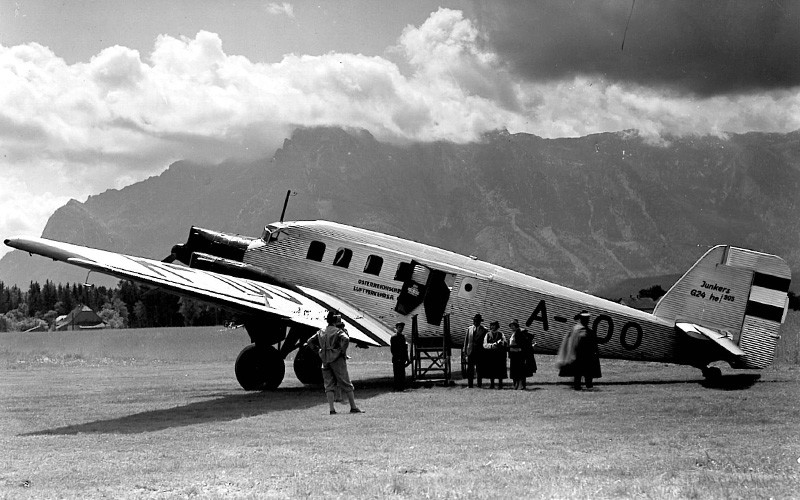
80, 318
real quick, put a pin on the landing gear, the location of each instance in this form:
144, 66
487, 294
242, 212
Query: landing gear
711, 373
307, 366
259, 368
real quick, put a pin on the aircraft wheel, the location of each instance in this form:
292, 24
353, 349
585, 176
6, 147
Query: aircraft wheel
259, 368
712, 372
307, 366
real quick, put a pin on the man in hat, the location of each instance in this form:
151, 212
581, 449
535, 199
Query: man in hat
331, 343
399, 356
473, 350
577, 356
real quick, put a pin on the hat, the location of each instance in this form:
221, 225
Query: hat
332, 317
477, 317
400, 324
495, 323
514, 323
582, 314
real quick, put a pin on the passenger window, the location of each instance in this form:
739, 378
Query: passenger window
316, 251
343, 256
374, 265
403, 271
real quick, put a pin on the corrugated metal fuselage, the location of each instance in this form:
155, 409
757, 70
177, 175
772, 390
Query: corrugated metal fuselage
465, 287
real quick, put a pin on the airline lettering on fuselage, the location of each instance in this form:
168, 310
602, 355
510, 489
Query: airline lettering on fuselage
631, 335
376, 289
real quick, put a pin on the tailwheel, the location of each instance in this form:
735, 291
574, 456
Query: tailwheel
712, 373
307, 366
259, 368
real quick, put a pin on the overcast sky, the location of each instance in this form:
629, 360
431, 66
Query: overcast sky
99, 94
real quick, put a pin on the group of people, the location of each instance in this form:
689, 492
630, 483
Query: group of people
486, 352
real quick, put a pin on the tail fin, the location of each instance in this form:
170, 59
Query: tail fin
738, 292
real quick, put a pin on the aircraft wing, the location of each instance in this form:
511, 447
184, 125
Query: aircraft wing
720, 338
303, 306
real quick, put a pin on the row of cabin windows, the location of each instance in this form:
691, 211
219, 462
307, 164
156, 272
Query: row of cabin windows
316, 250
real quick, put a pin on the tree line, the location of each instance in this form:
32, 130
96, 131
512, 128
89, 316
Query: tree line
128, 305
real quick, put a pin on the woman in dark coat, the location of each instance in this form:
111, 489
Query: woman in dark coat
494, 345
522, 363
578, 356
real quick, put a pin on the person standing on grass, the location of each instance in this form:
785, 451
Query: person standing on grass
494, 345
331, 343
522, 363
399, 357
473, 349
578, 356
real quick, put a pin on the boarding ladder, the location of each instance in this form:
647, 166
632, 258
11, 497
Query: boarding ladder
430, 356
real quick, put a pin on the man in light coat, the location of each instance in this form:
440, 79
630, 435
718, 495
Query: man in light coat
331, 343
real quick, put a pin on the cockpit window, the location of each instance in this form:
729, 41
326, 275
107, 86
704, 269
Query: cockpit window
316, 250
272, 233
343, 256
374, 265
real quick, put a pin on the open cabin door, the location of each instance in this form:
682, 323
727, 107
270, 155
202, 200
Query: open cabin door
424, 286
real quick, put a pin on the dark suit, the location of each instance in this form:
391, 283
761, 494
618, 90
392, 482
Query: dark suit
473, 350
399, 360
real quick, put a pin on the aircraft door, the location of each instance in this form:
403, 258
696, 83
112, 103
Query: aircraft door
424, 286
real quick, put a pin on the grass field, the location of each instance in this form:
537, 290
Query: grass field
158, 414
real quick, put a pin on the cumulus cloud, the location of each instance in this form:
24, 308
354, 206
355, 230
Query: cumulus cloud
122, 116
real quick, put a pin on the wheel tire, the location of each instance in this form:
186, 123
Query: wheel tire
259, 368
712, 373
307, 366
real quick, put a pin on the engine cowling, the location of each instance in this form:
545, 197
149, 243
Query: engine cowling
231, 247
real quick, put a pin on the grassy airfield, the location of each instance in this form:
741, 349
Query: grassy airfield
158, 414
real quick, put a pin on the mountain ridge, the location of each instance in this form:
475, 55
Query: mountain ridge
584, 212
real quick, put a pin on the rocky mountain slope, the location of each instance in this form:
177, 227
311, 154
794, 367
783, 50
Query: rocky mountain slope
583, 212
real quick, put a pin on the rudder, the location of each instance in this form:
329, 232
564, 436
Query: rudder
737, 291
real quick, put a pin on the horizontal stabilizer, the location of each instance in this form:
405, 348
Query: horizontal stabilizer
722, 339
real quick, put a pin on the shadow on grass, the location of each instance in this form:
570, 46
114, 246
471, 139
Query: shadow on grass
732, 382
221, 409
735, 382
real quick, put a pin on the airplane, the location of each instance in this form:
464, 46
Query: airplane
728, 306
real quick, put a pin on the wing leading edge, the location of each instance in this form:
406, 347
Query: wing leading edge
301, 305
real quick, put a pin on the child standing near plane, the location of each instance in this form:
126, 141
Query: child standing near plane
331, 343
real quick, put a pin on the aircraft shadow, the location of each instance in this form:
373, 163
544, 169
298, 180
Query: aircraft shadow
737, 382
224, 408
229, 407
734, 382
